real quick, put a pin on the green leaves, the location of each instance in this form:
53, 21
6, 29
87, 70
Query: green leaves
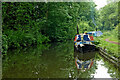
27, 23
109, 16
4, 43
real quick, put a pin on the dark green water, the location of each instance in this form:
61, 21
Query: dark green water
54, 61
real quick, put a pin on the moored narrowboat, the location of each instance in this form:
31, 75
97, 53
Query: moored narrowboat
84, 43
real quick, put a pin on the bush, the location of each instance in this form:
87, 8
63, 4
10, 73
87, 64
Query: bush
17, 39
4, 43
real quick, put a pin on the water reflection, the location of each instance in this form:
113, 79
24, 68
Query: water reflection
55, 61
42, 61
84, 63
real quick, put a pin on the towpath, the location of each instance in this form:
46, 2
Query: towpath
112, 41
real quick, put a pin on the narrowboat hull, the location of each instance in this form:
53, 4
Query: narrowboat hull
85, 48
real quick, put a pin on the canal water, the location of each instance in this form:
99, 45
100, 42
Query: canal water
56, 60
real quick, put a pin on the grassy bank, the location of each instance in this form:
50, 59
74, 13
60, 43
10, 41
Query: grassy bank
111, 48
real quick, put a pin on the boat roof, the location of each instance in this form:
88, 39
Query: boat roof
94, 32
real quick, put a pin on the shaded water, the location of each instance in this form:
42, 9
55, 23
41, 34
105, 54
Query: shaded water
56, 60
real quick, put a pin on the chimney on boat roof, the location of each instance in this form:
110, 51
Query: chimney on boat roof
77, 30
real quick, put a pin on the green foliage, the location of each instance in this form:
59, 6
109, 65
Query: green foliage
22, 25
26, 23
112, 48
84, 26
109, 16
4, 44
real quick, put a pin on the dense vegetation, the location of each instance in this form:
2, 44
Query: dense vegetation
108, 18
110, 23
26, 24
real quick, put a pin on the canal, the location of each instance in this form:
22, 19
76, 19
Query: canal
56, 60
